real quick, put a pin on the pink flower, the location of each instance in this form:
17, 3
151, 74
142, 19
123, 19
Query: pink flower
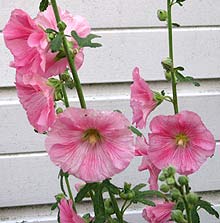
141, 149
67, 214
27, 42
180, 140
91, 145
37, 99
47, 19
161, 213
142, 100
26, 39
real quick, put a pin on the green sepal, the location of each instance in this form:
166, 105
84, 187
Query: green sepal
43, 5
135, 131
56, 43
86, 42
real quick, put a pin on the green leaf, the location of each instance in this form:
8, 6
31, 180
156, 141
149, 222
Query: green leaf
49, 30
56, 43
152, 193
143, 201
87, 41
175, 24
54, 206
208, 207
180, 77
138, 187
111, 187
43, 5
179, 68
195, 216
135, 131
83, 191
98, 202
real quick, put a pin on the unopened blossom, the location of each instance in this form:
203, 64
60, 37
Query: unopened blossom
180, 140
161, 213
142, 100
67, 214
29, 44
89, 144
141, 149
37, 98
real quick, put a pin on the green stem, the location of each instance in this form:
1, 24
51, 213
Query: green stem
129, 204
65, 97
69, 191
115, 207
170, 37
70, 58
188, 211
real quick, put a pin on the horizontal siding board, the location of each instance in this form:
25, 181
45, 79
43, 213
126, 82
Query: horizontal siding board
123, 50
18, 135
120, 13
33, 178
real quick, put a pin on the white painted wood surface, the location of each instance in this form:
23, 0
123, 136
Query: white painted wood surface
131, 36
198, 50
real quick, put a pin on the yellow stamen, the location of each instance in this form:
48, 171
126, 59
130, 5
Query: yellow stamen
182, 140
92, 136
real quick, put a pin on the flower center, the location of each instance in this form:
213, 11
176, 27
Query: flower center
92, 136
182, 140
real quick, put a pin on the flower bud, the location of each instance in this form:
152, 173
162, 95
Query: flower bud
108, 207
171, 171
177, 216
164, 188
59, 110
167, 64
61, 26
162, 177
192, 198
175, 194
183, 180
162, 15
168, 75
170, 181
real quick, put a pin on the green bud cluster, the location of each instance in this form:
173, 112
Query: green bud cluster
127, 193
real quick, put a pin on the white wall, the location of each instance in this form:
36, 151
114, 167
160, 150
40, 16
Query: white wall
131, 36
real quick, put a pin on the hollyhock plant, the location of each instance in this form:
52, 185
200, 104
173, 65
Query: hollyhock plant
161, 213
180, 140
142, 100
28, 42
37, 98
91, 145
67, 214
141, 149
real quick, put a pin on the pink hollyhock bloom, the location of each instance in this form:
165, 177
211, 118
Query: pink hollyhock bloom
180, 140
142, 100
91, 145
78, 23
38, 101
26, 39
67, 214
161, 213
27, 42
141, 149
